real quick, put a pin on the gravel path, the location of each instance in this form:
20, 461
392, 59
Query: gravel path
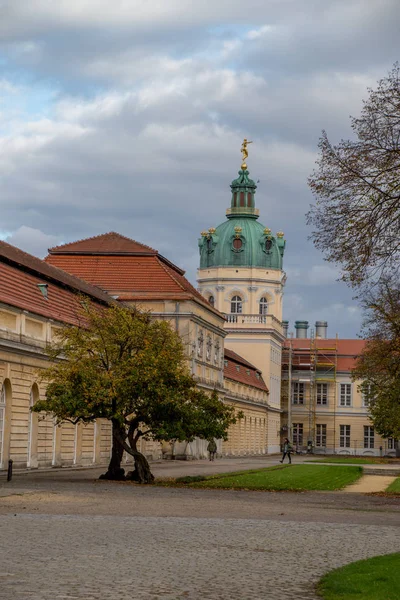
370, 483
68, 536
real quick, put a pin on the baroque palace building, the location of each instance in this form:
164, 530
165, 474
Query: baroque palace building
231, 327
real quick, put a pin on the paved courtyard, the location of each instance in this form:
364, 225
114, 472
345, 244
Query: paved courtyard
66, 535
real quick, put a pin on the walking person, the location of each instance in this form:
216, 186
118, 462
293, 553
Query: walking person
287, 450
212, 449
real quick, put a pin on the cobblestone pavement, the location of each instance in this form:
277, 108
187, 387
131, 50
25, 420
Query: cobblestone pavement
65, 536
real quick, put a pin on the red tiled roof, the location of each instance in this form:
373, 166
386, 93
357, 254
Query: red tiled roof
344, 347
130, 275
246, 373
347, 351
111, 242
47, 273
19, 288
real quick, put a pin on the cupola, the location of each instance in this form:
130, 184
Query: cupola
242, 240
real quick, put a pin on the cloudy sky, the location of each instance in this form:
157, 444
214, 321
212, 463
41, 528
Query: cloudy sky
128, 116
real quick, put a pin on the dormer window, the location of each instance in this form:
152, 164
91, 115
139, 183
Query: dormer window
236, 305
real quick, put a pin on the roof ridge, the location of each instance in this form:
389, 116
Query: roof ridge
167, 270
195, 294
101, 235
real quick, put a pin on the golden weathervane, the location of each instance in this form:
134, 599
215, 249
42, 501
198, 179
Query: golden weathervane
244, 152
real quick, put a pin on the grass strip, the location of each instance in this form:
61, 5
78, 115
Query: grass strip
394, 488
284, 478
376, 578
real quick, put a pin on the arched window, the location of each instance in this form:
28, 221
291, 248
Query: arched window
212, 300
236, 305
32, 460
263, 306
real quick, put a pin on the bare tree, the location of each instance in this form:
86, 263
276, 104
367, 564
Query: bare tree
356, 216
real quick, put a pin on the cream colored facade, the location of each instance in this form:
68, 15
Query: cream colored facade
258, 430
336, 419
255, 332
202, 333
29, 439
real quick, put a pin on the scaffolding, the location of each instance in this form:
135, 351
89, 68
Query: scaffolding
313, 364
323, 369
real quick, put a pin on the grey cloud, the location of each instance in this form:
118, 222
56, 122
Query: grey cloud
32, 240
153, 153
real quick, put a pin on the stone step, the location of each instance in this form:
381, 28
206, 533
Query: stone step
389, 472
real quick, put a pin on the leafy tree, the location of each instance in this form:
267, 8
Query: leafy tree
379, 365
356, 217
126, 367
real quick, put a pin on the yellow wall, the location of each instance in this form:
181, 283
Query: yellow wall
333, 415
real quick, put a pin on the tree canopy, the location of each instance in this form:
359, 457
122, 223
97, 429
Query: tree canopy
126, 367
356, 217
379, 365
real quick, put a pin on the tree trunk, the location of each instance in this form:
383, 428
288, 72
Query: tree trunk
141, 472
115, 472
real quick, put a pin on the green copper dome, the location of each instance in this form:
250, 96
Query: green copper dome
241, 240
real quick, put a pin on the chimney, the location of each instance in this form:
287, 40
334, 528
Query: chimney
301, 329
321, 329
285, 325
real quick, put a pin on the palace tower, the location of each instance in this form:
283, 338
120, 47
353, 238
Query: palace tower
241, 275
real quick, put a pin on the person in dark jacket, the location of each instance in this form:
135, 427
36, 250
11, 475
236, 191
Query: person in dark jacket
287, 450
212, 449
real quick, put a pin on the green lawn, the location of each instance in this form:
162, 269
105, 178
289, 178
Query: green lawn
395, 489
291, 478
355, 460
377, 578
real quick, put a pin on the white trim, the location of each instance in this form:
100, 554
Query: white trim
236, 292
94, 441
53, 460
75, 444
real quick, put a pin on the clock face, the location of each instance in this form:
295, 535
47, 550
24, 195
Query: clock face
237, 243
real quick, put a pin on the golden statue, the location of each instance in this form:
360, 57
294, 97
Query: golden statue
244, 152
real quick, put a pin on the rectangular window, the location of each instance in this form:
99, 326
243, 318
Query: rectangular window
322, 393
366, 395
298, 393
345, 436
345, 394
298, 433
391, 443
368, 436
320, 439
